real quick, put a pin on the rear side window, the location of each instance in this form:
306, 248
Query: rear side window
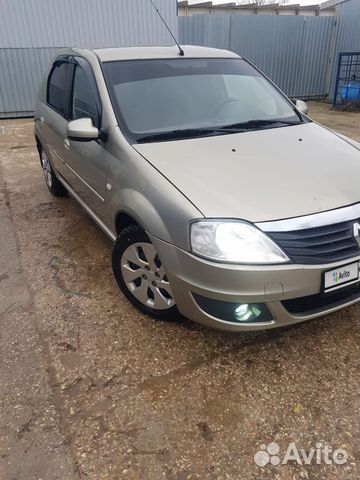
57, 87
84, 99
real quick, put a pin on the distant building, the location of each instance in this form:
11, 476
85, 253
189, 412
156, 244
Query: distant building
32, 31
186, 9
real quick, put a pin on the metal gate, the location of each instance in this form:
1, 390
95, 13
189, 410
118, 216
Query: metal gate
347, 86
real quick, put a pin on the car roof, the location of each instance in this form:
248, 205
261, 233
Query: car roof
137, 53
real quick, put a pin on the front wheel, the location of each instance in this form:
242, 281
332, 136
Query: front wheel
141, 276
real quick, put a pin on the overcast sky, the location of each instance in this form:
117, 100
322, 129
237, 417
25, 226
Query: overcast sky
302, 2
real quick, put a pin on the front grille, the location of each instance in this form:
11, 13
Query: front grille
327, 244
322, 301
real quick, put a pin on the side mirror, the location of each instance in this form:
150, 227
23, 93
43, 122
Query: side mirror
82, 130
302, 106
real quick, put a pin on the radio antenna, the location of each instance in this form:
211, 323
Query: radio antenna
181, 51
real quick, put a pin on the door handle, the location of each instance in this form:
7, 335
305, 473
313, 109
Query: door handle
67, 144
42, 120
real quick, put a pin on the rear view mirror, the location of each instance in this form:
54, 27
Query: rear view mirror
82, 130
302, 106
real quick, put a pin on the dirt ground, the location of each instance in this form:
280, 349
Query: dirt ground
92, 389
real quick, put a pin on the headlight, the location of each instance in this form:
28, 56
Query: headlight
236, 242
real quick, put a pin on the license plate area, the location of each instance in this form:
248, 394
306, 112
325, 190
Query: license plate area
340, 277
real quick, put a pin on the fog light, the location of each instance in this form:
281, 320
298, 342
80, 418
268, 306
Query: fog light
247, 313
234, 312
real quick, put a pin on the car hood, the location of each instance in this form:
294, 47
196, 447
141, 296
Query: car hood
262, 175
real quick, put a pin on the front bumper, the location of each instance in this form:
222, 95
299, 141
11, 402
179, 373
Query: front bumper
271, 285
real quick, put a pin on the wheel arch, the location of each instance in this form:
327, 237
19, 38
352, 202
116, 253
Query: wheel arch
38, 144
132, 207
123, 220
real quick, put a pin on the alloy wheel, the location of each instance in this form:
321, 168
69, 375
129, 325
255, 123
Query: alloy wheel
46, 169
145, 277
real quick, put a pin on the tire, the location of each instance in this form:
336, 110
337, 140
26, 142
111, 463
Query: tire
140, 275
55, 187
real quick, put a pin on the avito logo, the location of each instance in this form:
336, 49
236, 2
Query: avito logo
338, 276
320, 453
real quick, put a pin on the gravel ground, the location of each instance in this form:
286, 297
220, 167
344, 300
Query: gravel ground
92, 389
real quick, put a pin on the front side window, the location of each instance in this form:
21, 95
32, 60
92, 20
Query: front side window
178, 98
84, 97
57, 87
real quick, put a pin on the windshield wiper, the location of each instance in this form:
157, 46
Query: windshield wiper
185, 133
258, 124
203, 132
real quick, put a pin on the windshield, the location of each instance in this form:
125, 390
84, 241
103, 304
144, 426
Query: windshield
182, 98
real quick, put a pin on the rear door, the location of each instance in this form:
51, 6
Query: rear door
56, 115
88, 161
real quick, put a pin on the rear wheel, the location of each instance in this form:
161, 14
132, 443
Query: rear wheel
53, 184
141, 276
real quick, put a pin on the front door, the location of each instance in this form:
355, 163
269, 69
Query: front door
87, 161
